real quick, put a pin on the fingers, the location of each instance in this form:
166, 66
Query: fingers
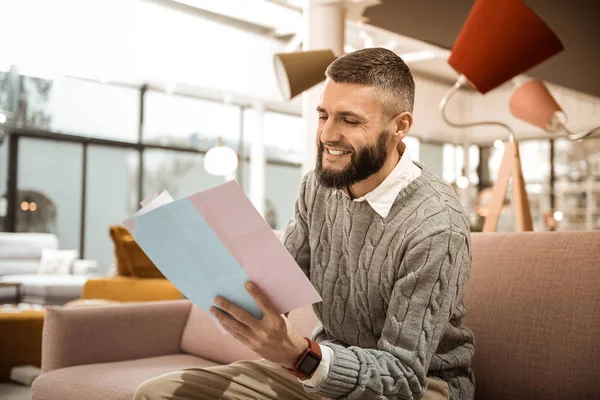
261, 299
236, 312
231, 325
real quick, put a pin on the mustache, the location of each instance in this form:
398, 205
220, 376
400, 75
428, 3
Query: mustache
336, 145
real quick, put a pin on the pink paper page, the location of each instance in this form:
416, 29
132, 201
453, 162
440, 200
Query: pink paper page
247, 236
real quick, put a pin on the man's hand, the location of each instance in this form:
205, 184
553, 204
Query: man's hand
274, 338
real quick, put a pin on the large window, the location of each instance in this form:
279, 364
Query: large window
49, 189
78, 107
181, 174
281, 190
4, 105
111, 196
283, 135
184, 121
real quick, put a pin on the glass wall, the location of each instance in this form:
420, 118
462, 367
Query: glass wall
283, 135
94, 109
111, 196
176, 120
78, 107
50, 172
281, 190
49, 189
4, 105
181, 174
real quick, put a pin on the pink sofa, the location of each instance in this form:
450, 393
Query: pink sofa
105, 352
533, 301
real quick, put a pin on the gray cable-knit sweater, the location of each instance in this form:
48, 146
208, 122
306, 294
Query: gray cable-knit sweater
392, 289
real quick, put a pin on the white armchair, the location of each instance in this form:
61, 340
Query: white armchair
20, 257
20, 253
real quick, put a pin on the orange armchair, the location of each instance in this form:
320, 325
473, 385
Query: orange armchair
137, 278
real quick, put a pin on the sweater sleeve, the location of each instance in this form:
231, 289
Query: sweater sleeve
420, 306
295, 235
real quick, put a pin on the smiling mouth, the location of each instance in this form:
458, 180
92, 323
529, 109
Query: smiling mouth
337, 152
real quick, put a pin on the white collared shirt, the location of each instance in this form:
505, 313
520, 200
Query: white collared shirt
381, 199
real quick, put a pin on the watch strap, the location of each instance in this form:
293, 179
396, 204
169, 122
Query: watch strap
314, 349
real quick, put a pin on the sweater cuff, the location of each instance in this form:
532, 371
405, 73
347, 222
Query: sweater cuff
342, 378
322, 370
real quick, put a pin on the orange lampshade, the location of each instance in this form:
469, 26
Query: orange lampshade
533, 103
500, 40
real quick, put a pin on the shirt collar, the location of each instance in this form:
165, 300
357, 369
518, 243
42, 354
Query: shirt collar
382, 198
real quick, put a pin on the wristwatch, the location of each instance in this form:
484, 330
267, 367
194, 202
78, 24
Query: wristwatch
307, 363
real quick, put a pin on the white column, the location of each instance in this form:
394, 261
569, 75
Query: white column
324, 23
258, 161
464, 194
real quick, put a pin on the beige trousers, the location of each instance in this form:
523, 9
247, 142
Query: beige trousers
261, 380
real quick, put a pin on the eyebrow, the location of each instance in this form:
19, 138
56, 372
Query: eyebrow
342, 113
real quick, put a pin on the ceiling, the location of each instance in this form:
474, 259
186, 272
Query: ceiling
576, 23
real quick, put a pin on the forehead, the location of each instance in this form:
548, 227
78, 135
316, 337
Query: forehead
350, 97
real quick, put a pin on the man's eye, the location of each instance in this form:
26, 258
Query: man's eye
352, 123
323, 117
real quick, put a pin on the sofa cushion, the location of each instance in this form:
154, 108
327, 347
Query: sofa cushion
14, 267
114, 381
202, 337
126, 288
533, 303
57, 262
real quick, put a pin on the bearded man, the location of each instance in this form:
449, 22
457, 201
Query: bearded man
387, 246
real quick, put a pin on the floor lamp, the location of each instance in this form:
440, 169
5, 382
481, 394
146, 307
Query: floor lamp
500, 40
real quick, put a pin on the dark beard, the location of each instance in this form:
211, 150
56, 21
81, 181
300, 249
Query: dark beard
368, 161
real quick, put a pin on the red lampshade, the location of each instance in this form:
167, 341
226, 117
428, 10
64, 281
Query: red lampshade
533, 103
500, 40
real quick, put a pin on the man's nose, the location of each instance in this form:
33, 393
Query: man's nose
330, 133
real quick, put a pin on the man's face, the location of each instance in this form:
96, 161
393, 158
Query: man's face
352, 143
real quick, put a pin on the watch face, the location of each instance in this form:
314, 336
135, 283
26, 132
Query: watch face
309, 364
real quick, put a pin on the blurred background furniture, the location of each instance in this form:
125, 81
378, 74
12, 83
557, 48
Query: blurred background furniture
127, 288
20, 339
20, 253
532, 302
20, 262
137, 277
16, 286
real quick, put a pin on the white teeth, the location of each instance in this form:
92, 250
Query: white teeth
337, 152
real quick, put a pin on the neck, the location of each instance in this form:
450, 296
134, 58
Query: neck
361, 188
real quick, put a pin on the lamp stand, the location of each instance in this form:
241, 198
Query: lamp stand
510, 166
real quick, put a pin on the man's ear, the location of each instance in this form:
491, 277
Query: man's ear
402, 124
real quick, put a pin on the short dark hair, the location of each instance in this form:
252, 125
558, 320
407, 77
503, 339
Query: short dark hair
382, 69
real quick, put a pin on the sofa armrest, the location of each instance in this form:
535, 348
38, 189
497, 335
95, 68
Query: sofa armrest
123, 288
108, 333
